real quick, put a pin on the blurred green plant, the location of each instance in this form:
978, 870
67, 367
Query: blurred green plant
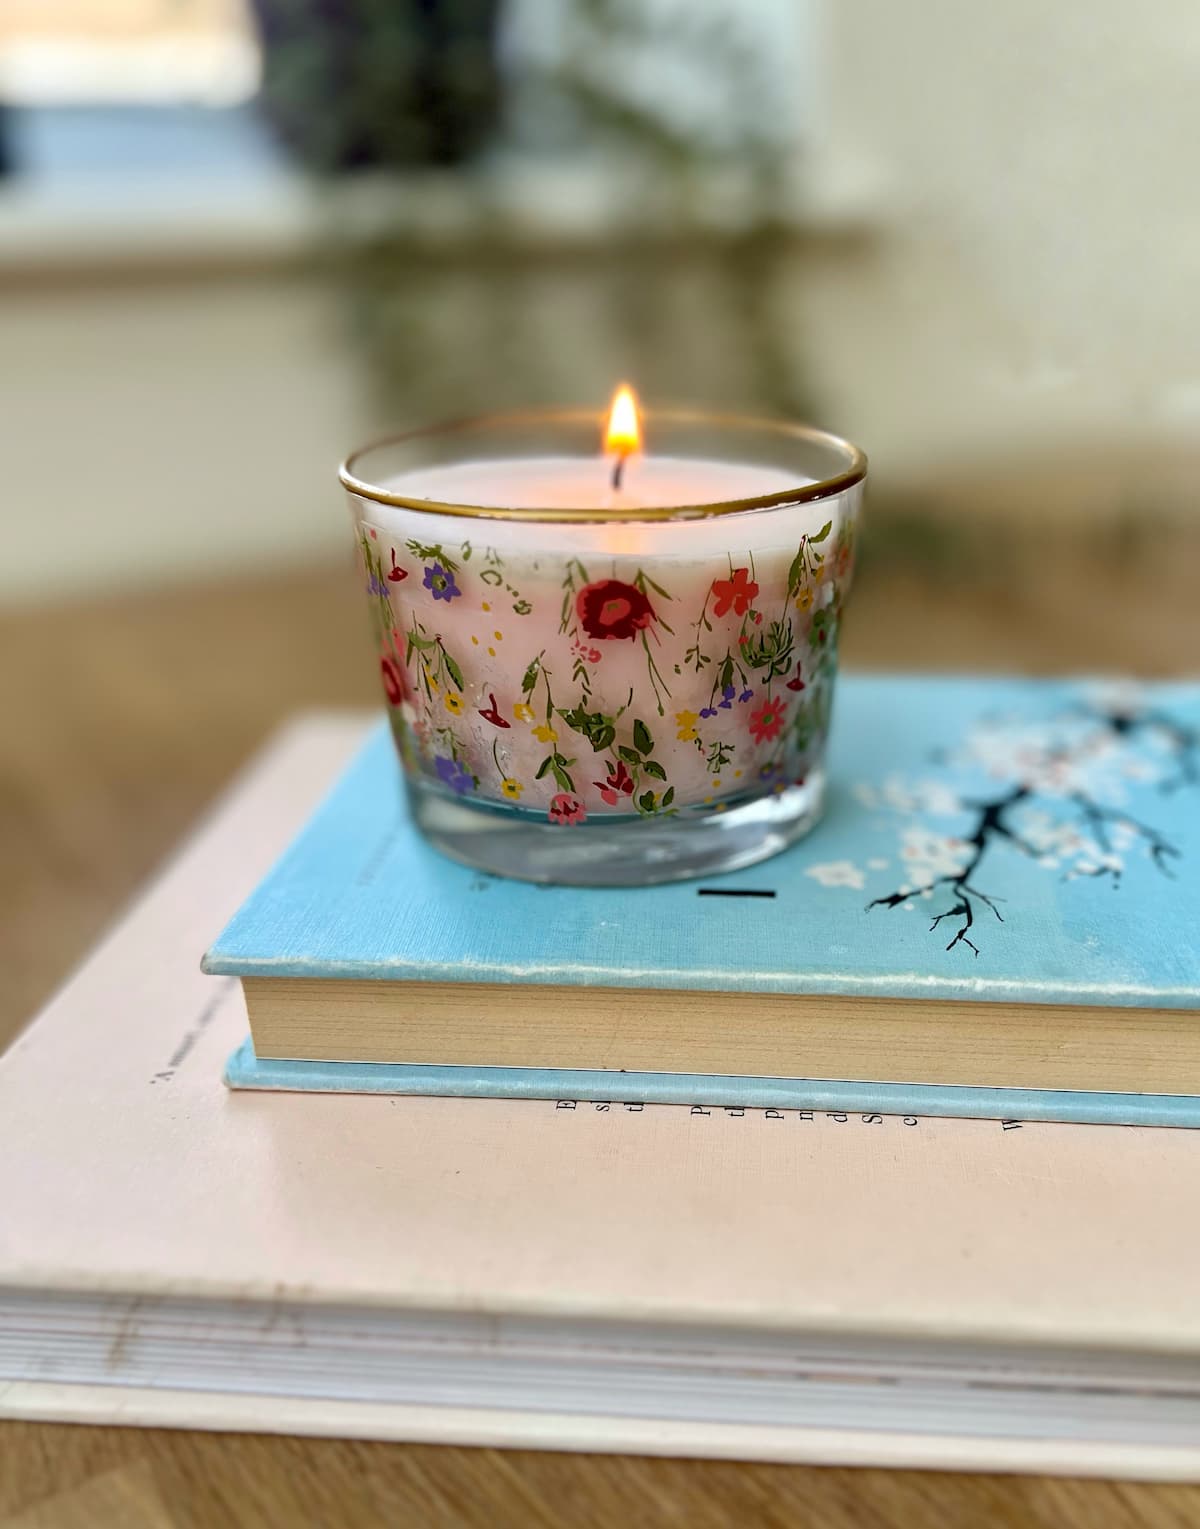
355, 84
688, 309
614, 66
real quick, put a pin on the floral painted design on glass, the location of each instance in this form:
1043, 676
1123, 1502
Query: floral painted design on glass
572, 691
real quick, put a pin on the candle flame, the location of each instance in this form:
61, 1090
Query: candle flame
624, 434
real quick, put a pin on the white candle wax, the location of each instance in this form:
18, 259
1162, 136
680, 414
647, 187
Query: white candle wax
615, 666
548, 483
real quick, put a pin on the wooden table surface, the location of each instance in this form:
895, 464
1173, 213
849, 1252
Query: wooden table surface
124, 717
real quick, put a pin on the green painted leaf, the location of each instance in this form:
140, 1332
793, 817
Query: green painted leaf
544, 766
823, 532
668, 796
530, 679
652, 767
630, 756
646, 801
642, 738
453, 670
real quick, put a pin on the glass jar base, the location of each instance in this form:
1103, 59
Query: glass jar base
612, 851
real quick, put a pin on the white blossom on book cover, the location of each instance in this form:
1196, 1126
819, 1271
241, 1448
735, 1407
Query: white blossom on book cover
1074, 792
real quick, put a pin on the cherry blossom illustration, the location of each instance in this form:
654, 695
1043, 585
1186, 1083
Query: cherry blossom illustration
1055, 790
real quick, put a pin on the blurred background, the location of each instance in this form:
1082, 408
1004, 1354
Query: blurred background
239, 236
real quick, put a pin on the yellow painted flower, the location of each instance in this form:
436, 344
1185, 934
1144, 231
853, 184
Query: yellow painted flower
454, 703
522, 712
545, 734
804, 599
511, 789
686, 721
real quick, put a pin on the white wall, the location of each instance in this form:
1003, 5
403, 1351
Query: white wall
1038, 163
164, 428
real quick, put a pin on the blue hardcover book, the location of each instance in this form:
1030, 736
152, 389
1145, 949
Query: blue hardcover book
998, 915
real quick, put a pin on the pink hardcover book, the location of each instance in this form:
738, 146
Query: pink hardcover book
757, 1283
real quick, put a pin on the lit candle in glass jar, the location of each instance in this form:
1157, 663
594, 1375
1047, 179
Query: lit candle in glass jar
639, 643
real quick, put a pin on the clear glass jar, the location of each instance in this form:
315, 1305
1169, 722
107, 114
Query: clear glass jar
618, 691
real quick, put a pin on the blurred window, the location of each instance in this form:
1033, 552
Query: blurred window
97, 97
83, 53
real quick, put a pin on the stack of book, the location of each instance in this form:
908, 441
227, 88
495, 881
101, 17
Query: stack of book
811, 1254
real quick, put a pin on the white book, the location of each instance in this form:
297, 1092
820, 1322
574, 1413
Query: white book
755, 1284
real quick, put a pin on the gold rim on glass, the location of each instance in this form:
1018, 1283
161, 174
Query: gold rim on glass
854, 472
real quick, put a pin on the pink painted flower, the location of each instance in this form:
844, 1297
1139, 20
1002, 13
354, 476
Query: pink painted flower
767, 720
734, 593
565, 808
581, 650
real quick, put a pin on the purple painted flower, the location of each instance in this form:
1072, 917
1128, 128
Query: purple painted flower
375, 587
441, 582
708, 711
746, 694
455, 774
727, 697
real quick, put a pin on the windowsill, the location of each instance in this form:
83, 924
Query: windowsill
105, 223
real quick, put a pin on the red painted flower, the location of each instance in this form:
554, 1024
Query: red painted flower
397, 573
734, 593
393, 680
565, 808
767, 720
798, 682
612, 609
619, 783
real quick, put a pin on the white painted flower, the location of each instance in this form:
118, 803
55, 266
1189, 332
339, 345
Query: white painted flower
937, 799
932, 797
1118, 697
928, 856
838, 873
1073, 757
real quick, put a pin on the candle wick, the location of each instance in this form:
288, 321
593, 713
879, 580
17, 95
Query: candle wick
619, 469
